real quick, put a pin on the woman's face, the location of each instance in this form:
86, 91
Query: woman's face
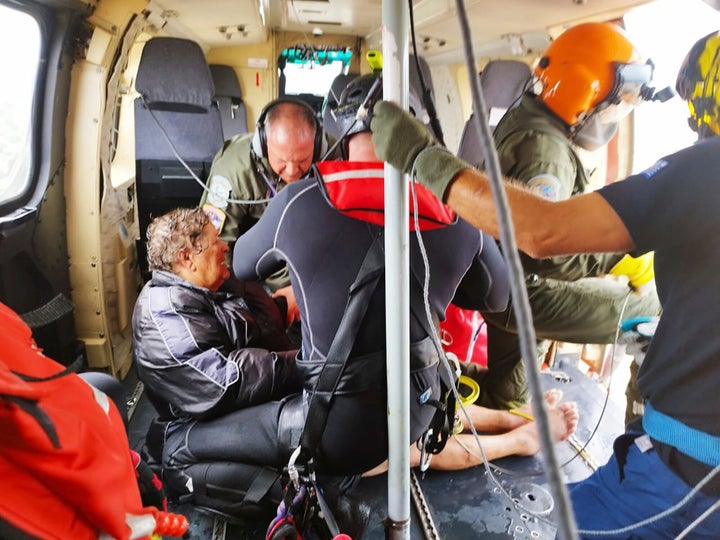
210, 270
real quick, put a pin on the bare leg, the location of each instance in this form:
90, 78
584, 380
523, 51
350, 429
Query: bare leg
462, 451
495, 420
521, 437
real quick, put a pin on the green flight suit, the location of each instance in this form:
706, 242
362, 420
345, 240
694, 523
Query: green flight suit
569, 302
234, 175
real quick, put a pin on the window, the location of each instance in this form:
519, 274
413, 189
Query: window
312, 71
664, 31
19, 59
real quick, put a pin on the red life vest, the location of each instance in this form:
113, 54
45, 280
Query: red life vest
357, 189
64, 455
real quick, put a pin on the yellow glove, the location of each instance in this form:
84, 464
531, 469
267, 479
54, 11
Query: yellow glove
639, 270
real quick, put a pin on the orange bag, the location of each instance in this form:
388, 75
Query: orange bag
457, 331
64, 454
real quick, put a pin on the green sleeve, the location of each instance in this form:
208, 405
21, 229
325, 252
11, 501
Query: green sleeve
527, 154
232, 176
278, 280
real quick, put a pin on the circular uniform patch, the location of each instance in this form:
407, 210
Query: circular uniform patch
546, 185
219, 191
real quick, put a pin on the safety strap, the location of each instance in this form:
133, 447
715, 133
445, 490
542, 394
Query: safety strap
48, 313
358, 301
697, 444
441, 425
261, 485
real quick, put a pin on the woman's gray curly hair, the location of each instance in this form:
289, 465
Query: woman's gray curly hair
171, 233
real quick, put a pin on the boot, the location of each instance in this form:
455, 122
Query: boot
351, 514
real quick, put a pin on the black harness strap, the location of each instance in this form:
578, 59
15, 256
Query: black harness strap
359, 295
442, 423
360, 292
261, 485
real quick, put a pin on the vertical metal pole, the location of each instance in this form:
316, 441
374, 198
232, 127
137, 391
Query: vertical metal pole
397, 296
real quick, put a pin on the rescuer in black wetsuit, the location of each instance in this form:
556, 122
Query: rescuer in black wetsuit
324, 250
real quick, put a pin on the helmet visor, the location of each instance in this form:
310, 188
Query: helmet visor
612, 114
631, 87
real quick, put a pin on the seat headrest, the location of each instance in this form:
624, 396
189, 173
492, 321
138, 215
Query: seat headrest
226, 81
173, 72
414, 75
502, 81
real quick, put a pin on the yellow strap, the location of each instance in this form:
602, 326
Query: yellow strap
522, 414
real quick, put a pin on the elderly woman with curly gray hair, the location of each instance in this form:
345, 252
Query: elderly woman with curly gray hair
228, 406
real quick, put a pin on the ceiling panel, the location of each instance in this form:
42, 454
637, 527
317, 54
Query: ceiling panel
494, 23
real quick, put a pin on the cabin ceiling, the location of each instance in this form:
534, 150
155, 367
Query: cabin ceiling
499, 27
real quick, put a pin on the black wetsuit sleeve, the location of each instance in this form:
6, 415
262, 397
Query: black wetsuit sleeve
254, 256
486, 284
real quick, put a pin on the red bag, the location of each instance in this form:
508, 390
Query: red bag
357, 189
457, 332
64, 454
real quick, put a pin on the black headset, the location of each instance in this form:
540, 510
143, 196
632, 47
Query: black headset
259, 141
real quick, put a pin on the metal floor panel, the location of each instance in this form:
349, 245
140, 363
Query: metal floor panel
467, 505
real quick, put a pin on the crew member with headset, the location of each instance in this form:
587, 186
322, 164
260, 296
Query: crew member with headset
251, 168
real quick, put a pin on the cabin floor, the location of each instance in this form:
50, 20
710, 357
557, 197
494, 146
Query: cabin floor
462, 504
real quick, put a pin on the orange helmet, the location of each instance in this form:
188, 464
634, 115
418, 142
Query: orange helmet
591, 67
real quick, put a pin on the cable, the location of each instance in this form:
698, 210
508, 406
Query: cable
426, 95
699, 520
607, 394
522, 307
445, 364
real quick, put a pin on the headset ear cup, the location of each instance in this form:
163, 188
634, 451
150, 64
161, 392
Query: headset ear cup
256, 144
321, 144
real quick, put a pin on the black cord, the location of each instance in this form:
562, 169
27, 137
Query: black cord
426, 96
